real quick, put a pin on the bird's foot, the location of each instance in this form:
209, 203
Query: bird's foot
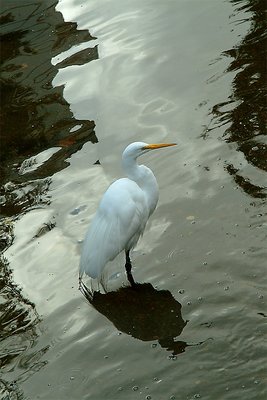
134, 285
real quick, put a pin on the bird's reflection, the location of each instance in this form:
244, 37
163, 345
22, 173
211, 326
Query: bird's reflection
144, 312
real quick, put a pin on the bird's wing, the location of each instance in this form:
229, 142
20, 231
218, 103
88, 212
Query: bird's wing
121, 216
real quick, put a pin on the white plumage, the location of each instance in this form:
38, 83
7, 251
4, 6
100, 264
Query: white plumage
122, 214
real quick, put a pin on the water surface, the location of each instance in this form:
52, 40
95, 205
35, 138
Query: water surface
81, 81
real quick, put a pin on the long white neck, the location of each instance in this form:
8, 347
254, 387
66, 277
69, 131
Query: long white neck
145, 179
132, 169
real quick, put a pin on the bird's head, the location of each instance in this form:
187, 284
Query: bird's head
136, 149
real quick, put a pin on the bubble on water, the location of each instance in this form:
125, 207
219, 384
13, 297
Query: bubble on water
227, 389
77, 210
154, 345
156, 379
197, 396
256, 382
12, 385
190, 217
105, 357
205, 263
148, 397
135, 388
72, 378
226, 288
189, 303
181, 291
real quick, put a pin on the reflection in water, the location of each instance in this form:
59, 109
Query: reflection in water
35, 116
145, 313
18, 334
20, 197
246, 110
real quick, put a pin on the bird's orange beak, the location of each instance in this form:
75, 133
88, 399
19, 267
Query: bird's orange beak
158, 145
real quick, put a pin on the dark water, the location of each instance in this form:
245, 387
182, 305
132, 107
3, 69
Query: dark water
79, 81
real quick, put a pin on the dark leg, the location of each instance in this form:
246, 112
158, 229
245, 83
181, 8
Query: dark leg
128, 267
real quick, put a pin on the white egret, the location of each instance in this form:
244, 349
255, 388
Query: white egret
122, 214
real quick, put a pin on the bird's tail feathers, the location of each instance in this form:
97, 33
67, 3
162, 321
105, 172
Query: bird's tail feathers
101, 245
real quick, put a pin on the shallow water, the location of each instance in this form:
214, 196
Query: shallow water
81, 80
